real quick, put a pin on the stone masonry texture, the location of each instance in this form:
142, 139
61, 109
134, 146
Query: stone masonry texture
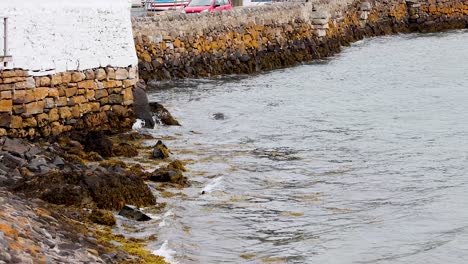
95, 99
248, 40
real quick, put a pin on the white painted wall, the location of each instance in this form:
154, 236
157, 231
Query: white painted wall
62, 35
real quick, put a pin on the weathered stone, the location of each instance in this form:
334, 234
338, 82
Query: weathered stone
5, 95
112, 84
76, 113
40, 93
129, 83
16, 122
66, 77
115, 99
30, 122
101, 93
13, 73
3, 132
88, 84
85, 108
44, 81
7, 87
42, 120
110, 73
54, 115
89, 75
65, 112
14, 80
89, 94
18, 109
80, 91
6, 105
61, 101
69, 92
132, 212
128, 96
77, 100
77, 77
49, 103
53, 92
119, 110
100, 74
34, 108
5, 119
56, 79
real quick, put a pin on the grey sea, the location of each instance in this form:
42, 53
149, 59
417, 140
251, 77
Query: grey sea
360, 158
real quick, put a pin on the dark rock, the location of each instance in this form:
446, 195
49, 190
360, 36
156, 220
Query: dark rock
76, 186
218, 116
168, 176
132, 212
10, 161
15, 146
102, 217
162, 115
58, 162
125, 150
141, 106
160, 151
32, 152
99, 143
35, 164
176, 165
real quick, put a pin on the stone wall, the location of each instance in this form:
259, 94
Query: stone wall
59, 78
95, 99
248, 40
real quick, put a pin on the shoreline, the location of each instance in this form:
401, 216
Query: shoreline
254, 40
72, 216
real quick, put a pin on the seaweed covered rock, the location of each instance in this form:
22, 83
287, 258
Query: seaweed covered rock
160, 151
102, 188
102, 217
99, 143
163, 116
172, 173
125, 149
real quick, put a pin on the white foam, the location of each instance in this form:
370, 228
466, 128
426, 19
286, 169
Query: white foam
213, 185
138, 124
166, 252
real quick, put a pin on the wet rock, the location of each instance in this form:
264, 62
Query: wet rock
132, 212
32, 152
218, 116
125, 150
141, 106
160, 151
10, 161
176, 165
102, 217
104, 189
15, 146
99, 143
162, 115
37, 165
58, 162
168, 176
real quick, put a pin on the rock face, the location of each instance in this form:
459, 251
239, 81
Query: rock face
141, 106
160, 151
162, 115
132, 212
109, 188
59, 175
96, 99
